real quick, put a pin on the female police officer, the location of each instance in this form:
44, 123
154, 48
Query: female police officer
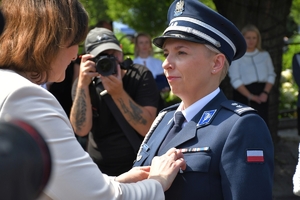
226, 145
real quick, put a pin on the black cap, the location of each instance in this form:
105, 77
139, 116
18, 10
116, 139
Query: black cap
25, 161
193, 21
99, 40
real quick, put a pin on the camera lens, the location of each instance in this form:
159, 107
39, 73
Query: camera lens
105, 65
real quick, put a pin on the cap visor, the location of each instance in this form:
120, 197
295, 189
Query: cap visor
103, 47
159, 41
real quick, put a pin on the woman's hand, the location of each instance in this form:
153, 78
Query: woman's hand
263, 97
255, 98
134, 175
164, 168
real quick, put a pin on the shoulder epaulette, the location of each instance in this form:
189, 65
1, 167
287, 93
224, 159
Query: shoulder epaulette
237, 107
170, 108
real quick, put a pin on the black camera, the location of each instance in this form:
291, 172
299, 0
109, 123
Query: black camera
107, 64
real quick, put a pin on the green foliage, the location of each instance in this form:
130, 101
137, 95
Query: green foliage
288, 94
290, 50
97, 10
209, 3
295, 14
127, 44
170, 98
288, 88
143, 16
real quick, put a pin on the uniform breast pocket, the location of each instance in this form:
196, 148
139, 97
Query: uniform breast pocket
197, 162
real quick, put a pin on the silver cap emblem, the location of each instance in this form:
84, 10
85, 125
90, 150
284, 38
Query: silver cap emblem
179, 8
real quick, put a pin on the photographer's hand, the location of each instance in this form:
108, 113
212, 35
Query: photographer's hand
87, 71
113, 83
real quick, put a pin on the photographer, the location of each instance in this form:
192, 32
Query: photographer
132, 91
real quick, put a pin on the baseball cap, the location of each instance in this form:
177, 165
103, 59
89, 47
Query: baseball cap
99, 40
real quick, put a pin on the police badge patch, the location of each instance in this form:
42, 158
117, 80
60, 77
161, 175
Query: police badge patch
179, 8
206, 117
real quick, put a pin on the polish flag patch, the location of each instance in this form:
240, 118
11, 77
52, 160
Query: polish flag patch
255, 156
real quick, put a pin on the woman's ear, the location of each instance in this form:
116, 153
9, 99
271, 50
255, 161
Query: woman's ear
219, 61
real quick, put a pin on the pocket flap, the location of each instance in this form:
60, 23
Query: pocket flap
198, 162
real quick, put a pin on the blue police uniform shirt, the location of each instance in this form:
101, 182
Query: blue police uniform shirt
192, 110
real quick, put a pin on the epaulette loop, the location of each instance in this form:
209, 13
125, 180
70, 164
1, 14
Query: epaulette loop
237, 107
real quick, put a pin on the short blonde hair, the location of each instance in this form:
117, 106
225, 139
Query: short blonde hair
226, 64
36, 30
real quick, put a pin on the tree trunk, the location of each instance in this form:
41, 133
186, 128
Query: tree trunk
270, 16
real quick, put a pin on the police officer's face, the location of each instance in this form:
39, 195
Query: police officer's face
188, 67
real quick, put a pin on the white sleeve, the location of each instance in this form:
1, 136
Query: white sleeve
74, 175
271, 72
234, 74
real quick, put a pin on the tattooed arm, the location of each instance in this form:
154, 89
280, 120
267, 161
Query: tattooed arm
139, 117
81, 112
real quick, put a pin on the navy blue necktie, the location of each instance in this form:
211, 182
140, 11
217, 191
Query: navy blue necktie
178, 121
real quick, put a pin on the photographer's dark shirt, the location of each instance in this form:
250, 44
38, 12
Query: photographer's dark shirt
109, 147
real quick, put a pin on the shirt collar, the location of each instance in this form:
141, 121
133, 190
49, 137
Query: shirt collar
193, 109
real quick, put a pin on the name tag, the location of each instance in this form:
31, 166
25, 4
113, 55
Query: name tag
192, 150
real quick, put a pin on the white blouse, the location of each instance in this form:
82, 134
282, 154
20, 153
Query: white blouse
153, 64
253, 67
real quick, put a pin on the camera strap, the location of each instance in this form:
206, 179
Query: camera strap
134, 139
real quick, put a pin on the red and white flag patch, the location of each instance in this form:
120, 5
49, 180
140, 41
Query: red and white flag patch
255, 156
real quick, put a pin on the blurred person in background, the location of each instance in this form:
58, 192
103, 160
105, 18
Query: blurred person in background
143, 53
253, 75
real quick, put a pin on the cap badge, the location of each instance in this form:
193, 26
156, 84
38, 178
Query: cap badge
179, 8
104, 37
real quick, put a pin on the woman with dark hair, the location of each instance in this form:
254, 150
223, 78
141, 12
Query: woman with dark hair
39, 41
